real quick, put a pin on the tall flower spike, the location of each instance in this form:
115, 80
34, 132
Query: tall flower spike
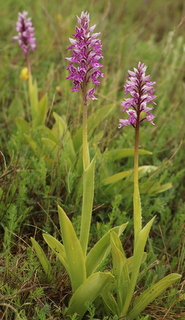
25, 31
84, 64
141, 90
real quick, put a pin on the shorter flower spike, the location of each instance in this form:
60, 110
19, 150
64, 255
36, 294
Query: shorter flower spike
84, 64
25, 31
141, 90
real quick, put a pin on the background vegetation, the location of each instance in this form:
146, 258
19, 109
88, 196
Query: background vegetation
31, 187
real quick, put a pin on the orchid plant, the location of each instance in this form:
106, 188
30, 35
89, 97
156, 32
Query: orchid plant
87, 283
27, 41
126, 270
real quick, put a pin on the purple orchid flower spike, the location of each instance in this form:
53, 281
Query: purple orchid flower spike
141, 90
84, 64
25, 38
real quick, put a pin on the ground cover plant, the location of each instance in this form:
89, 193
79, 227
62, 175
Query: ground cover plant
46, 160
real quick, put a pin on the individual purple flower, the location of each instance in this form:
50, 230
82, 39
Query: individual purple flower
25, 31
141, 90
84, 64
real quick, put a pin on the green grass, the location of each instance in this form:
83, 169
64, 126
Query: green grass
148, 31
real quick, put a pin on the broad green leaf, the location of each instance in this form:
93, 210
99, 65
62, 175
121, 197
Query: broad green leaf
130, 261
116, 240
139, 248
87, 203
22, 125
54, 151
93, 121
98, 116
15, 109
89, 291
60, 127
142, 170
162, 188
120, 269
151, 293
57, 248
68, 147
121, 175
110, 301
137, 260
118, 176
73, 249
79, 165
100, 250
32, 144
51, 149
43, 259
42, 110
97, 138
153, 187
49, 162
63, 136
113, 154
45, 132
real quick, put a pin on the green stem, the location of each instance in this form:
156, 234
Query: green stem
87, 205
86, 157
88, 181
28, 64
136, 198
29, 80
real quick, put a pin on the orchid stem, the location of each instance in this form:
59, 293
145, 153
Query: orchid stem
136, 198
86, 157
28, 64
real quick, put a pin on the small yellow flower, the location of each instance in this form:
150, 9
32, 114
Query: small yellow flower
59, 18
59, 90
24, 74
